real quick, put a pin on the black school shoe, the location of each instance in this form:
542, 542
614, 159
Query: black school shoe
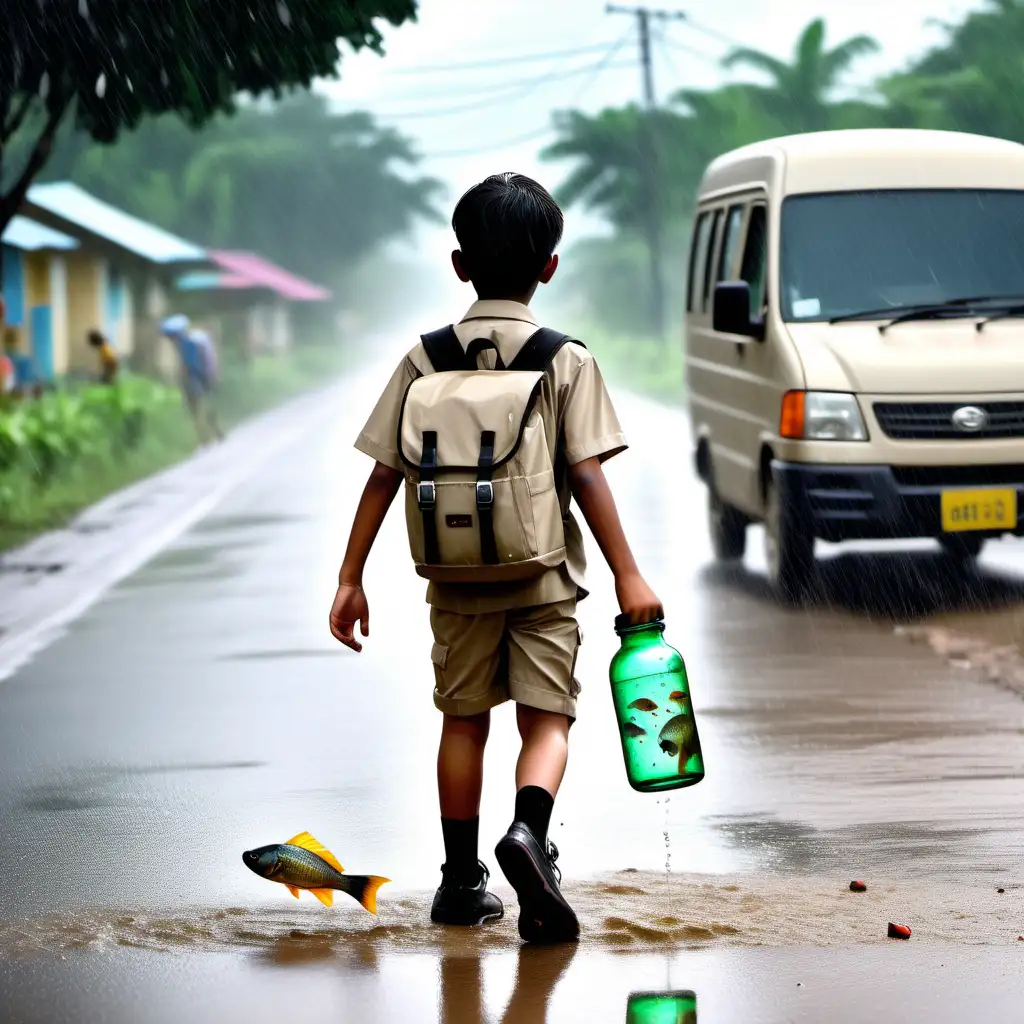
544, 915
455, 902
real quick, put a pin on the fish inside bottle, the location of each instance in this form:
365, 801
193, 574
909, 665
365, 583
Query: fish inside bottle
658, 732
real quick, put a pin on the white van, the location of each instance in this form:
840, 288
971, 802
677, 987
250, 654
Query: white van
855, 342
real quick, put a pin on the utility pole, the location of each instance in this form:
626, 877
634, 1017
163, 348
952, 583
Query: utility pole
650, 170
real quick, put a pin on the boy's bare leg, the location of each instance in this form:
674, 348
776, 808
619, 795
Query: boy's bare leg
545, 751
460, 764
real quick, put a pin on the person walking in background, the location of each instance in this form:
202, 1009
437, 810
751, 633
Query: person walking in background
199, 373
109, 363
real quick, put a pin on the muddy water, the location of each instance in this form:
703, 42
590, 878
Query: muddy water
202, 709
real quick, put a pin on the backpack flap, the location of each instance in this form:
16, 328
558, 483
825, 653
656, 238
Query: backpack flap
481, 502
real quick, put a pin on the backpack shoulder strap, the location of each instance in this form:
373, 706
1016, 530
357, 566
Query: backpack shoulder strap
444, 350
539, 349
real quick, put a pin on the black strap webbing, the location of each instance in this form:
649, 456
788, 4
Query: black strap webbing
445, 351
426, 497
479, 345
539, 349
485, 498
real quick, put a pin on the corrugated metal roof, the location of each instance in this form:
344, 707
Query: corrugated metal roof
247, 270
76, 206
29, 236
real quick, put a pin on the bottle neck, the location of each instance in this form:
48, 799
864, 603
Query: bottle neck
642, 636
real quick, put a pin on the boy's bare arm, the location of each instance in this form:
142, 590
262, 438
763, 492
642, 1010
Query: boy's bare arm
591, 490
350, 604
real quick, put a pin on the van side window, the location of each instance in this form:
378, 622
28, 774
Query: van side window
698, 251
709, 260
730, 243
754, 266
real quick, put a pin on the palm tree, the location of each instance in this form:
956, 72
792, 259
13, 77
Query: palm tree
799, 96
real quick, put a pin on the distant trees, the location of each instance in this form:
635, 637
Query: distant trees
312, 189
110, 64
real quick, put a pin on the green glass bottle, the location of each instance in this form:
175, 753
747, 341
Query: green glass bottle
652, 703
662, 1008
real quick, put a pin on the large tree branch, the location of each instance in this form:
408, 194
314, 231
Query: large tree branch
15, 196
16, 119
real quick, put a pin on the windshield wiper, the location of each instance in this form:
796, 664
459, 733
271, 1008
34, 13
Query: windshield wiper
1009, 311
932, 310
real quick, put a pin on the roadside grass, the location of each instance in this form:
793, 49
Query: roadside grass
35, 498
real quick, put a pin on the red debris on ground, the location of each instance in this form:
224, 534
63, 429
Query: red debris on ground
898, 931
858, 887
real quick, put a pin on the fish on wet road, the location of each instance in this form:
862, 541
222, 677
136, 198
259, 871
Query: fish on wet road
632, 730
644, 704
304, 863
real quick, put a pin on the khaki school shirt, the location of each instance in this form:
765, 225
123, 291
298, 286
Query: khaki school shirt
581, 416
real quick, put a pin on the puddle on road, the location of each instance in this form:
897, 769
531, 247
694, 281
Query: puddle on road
313, 652
629, 911
218, 524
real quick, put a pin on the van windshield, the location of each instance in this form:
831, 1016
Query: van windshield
847, 252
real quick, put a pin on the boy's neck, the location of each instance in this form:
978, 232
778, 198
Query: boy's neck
523, 298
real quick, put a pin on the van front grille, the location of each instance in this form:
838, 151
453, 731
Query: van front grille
958, 476
933, 421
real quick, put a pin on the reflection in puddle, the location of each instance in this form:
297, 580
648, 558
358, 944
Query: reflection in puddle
662, 1008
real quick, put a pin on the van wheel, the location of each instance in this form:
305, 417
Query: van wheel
788, 549
963, 549
727, 526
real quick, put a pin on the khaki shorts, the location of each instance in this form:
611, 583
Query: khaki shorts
525, 654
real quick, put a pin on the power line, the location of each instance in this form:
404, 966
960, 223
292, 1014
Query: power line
493, 148
601, 65
510, 93
496, 61
669, 43
714, 33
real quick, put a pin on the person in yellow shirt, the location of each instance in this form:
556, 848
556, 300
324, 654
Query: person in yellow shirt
109, 362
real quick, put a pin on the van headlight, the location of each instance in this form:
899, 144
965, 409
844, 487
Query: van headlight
821, 416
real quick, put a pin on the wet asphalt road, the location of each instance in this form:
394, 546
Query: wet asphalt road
202, 708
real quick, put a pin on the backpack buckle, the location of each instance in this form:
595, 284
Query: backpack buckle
484, 494
425, 495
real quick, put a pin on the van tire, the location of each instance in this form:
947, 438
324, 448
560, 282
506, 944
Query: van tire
727, 527
788, 549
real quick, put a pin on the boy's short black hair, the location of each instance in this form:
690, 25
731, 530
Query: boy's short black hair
508, 227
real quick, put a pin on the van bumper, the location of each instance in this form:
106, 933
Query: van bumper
878, 502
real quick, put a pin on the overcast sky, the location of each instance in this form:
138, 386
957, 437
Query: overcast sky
514, 99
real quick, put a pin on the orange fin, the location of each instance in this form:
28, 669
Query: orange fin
293, 889
364, 889
307, 842
325, 896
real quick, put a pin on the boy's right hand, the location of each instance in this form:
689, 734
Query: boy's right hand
637, 600
349, 608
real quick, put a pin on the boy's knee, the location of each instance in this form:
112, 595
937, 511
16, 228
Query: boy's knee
529, 719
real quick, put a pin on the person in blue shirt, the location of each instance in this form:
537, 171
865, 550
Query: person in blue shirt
199, 373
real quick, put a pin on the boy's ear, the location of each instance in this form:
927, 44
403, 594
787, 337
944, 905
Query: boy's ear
549, 269
459, 269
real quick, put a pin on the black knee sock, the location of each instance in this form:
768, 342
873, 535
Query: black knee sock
533, 807
460, 842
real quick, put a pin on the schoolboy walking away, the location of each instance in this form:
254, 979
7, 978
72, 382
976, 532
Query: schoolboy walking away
491, 460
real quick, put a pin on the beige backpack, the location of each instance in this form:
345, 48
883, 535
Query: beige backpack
481, 500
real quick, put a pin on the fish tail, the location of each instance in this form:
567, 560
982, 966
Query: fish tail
363, 889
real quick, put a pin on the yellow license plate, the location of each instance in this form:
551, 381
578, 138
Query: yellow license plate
987, 509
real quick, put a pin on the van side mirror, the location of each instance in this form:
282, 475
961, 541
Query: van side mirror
731, 311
